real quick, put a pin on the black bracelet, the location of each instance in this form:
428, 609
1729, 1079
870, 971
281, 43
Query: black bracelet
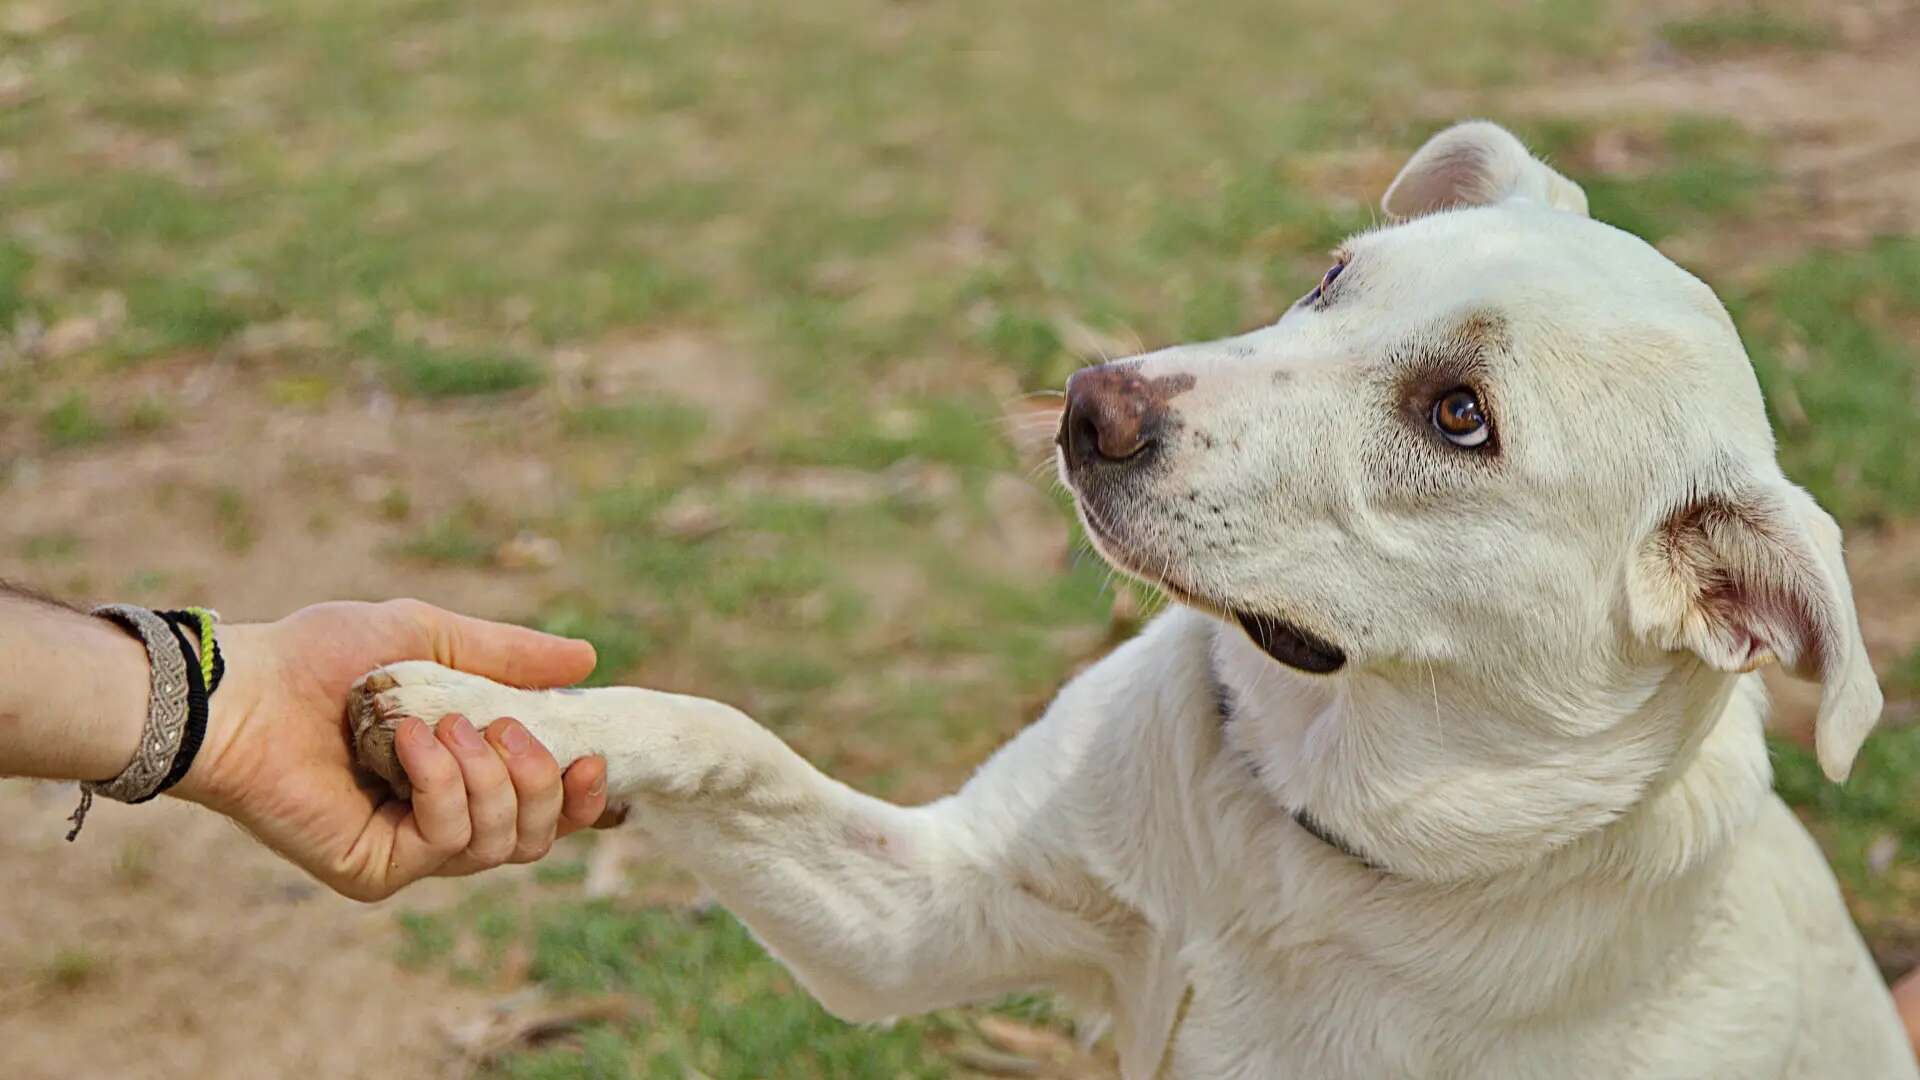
198, 623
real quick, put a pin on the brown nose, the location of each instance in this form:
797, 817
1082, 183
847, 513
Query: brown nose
1113, 413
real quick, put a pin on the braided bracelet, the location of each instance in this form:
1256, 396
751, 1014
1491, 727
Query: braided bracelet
176, 703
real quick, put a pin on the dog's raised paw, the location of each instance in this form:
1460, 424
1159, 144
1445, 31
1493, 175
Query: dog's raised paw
372, 715
386, 696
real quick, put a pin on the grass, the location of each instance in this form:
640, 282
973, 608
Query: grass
235, 519
668, 960
1869, 828
1746, 28
1905, 677
415, 367
459, 538
14, 264
560, 871
619, 640
650, 427
897, 219
1828, 337
73, 422
70, 969
1695, 172
423, 939
51, 547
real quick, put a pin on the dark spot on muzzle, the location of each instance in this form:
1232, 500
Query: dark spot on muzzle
1291, 645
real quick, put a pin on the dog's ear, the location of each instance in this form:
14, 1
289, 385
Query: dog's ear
1754, 575
1477, 164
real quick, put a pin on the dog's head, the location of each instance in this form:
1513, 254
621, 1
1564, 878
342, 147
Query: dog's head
1500, 447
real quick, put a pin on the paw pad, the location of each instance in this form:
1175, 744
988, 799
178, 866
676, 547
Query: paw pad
372, 723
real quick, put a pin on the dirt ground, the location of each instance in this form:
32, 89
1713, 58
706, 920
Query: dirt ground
150, 948
142, 949
1850, 152
147, 948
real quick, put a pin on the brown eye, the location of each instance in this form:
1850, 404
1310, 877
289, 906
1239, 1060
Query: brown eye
1457, 416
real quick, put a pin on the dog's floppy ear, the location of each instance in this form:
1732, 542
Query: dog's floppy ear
1477, 164
1753, 575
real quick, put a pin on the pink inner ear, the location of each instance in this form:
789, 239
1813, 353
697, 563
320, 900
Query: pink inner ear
1773, 622
1758, 590
1456, 177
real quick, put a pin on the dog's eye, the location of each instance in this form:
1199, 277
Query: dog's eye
1457, 415
1326, 282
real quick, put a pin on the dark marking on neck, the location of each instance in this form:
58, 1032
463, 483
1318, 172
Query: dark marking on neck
1226, 707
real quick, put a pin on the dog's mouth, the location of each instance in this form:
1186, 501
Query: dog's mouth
1291, 645
1278, 638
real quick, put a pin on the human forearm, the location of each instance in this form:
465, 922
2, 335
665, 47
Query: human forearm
273, 751
73, 691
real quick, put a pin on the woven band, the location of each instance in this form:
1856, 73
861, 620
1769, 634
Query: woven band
166, 706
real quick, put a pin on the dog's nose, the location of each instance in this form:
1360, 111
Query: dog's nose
1113, 413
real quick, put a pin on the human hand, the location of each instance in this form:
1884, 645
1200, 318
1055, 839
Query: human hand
278, 760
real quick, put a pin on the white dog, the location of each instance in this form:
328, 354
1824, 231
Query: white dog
1449, 764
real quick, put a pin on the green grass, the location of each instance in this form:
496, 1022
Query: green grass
460, 538
560, 871
172, 314
424, 370
70, 969
51, 547
1697, 172
424, 938
650, 427
457, 179
706, 999
716, 1005
1878, 807
1842, 376
950, 431
14, 264
1905, 676
235, 519
1883, 792
1742, 29
73, 422
1030, 344
620, 640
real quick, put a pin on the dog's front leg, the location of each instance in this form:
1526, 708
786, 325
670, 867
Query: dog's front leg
879, 910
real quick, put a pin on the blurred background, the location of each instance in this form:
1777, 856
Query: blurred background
711, 330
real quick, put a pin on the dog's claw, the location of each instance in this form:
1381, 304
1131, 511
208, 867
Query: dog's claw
373, 728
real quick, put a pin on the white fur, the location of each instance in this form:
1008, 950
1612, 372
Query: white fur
1545, 734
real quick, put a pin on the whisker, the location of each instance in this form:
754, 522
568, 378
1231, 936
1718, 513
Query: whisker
1434, 684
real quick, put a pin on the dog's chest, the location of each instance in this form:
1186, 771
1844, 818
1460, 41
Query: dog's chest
1322, 1012
1320, 969
1348, 991
1256, 1009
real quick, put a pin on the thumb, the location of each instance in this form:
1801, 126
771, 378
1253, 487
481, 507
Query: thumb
505, 653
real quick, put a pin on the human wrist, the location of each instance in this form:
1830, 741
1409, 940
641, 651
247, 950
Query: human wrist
215, 778
73, 692
108, 733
